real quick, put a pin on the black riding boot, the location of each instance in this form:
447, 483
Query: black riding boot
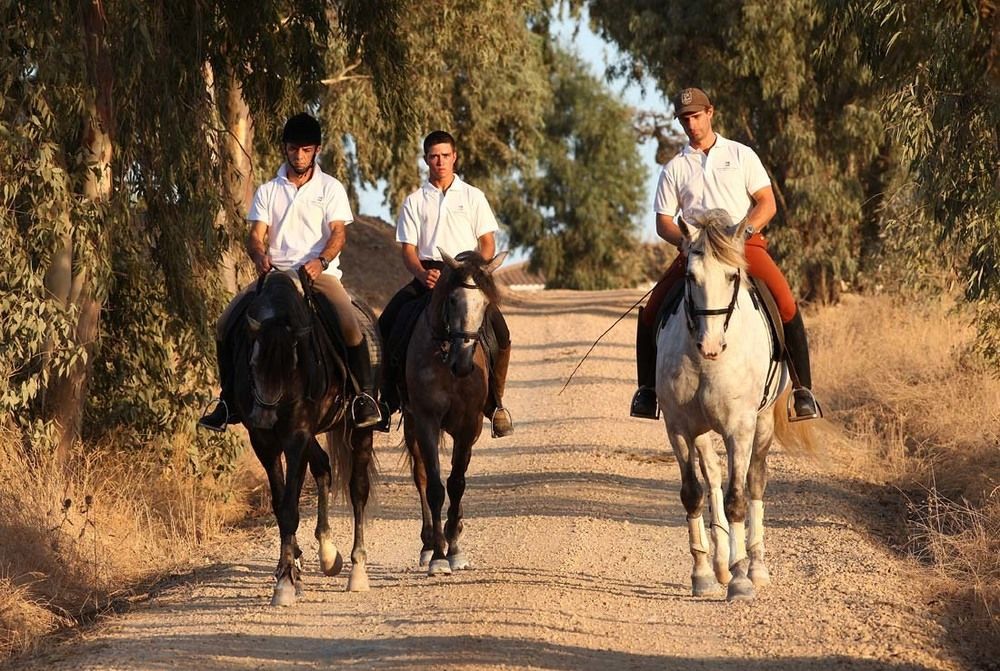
364, 407
644, 403
225, 411
804, 404
500, 418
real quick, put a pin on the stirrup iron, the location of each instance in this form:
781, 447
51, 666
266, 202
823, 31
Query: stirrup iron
790, 406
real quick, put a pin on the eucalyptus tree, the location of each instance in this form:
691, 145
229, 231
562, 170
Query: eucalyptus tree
113, 177
578, 205
811, 115
474, 69
939, 77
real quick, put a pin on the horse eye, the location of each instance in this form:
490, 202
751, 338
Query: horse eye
732, 278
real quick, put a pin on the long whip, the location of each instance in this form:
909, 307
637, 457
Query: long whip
608, 330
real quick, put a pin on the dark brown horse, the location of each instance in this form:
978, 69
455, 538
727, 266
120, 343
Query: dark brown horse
446, 387
290, 388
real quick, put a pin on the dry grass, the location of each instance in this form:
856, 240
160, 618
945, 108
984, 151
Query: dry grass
922, 415
75, 540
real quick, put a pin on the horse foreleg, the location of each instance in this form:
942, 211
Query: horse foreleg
756, 484
460, 456
711, 470
692, 496
420, 480
428, 437
360, 487
330, 560
738, 449
288, 585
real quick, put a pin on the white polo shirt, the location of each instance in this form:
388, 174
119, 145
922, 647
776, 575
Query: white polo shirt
452, 220
298, 218
724, 178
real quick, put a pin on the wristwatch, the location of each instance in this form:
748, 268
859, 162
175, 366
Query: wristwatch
323, 262
749, 233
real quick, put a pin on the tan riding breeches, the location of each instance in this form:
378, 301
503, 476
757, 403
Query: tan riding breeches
329, 285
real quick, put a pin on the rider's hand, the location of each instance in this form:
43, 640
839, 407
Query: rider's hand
263, 264
431, 277
313, 268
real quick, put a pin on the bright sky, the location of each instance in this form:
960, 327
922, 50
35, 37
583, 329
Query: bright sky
598, 54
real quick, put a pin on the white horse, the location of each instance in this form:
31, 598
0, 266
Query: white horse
714, 372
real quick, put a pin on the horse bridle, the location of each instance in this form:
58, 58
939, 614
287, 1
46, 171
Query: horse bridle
448, 335
691, 312
298, 334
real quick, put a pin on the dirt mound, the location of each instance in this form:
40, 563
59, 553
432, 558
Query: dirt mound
372, 267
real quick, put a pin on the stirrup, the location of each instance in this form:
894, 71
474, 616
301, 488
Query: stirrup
368, 423
508, 427
634, 411
220, 403
790, 406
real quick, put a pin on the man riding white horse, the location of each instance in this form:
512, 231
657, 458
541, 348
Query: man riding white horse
714, 172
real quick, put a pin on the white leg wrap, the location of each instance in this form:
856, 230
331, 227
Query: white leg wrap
696, 535
756, 526
719, 508
737, 542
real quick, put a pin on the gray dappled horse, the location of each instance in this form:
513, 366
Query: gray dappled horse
446, 388
715, 372
290, 387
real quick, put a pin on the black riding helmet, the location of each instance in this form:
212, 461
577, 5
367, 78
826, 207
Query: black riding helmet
302, 130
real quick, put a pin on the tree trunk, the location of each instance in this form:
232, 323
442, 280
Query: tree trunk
237, 152
67, 393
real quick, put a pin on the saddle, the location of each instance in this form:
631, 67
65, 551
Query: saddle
398, 343
762, 299
324, 321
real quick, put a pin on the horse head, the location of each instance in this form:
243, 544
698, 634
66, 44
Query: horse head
716, 267
465, 291
279, 325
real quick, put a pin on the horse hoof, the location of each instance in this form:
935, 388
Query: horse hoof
740, 589
459, 561
439, 567
284, 593
358, 580
425, 557
330, 560
704, 585
300, 590
759, 575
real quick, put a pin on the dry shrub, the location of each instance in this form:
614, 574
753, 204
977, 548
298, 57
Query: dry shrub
74, 540
923, 413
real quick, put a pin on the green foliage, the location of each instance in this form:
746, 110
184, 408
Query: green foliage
940, 81
805, 105
578, 205
474, 69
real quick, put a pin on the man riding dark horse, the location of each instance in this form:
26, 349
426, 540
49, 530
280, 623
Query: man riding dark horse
297, 221
444, 215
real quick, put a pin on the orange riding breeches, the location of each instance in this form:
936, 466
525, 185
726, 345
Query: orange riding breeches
761, 266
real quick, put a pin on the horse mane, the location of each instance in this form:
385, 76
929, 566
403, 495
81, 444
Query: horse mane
718, 238
473, 267
288, 314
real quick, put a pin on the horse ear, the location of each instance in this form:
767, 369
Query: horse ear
740, 229
448, 259
685, 229
496, 261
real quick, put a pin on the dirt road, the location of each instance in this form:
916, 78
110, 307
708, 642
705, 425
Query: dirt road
579, 551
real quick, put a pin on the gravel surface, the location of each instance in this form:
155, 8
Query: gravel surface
579, 547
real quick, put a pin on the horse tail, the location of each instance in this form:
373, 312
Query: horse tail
797, 437
342, 455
